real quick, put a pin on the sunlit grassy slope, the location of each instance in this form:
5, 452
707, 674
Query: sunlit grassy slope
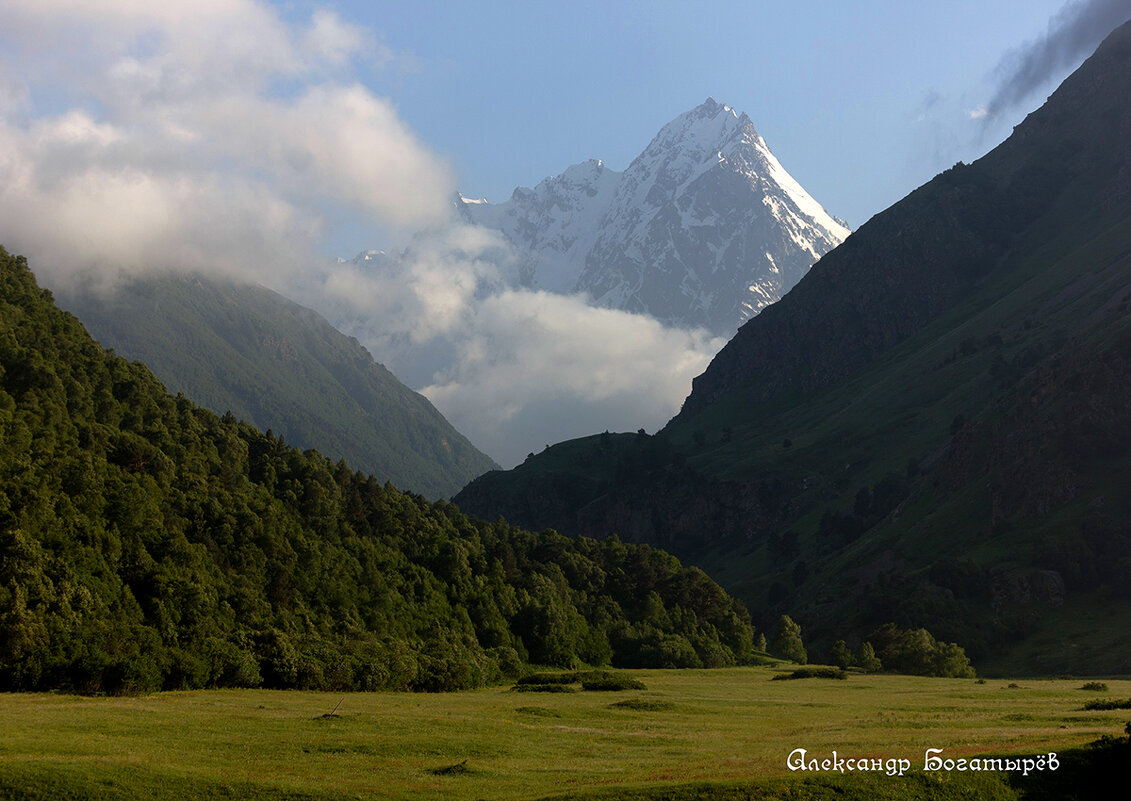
729, 729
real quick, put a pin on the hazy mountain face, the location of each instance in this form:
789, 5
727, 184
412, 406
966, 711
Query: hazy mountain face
282, 367
704, 229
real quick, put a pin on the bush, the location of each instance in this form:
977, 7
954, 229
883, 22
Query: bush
543, 688
1107, 703
570, 677
643, 705
1095, 686
813, 673
612, 682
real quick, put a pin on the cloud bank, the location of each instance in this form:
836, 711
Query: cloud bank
552, 367
511, 368
215, 136
1073, 33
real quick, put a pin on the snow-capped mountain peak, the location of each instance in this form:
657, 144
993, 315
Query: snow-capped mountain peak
704, 227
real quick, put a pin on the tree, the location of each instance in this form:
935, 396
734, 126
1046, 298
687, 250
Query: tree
840, 655
917, 653
787, 641
867, 659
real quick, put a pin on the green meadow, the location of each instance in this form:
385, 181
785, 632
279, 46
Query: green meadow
690, 734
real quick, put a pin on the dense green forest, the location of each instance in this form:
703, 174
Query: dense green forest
147, 543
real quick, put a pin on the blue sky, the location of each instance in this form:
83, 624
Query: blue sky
861, 101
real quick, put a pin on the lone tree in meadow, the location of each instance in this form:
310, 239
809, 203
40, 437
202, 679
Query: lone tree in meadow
787, 640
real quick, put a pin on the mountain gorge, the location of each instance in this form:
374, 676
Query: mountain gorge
930, 429
704, 228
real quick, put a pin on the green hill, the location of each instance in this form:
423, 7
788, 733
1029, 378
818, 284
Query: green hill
147, 543
931, 428
283, 368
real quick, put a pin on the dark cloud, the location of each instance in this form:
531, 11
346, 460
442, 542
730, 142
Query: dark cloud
1074, 32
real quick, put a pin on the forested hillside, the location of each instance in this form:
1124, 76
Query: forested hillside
148, 543
283, 368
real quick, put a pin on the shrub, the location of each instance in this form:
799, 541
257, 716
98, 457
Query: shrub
643, 705
814, 673
1107, 703
543, 688
1095, 686
549, 678
612, 682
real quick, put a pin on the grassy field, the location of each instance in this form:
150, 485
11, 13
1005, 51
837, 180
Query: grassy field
730, 727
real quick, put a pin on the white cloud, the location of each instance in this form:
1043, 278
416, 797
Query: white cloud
215, 136
179, 149
332, 40
513, 369
978, 113
529, 356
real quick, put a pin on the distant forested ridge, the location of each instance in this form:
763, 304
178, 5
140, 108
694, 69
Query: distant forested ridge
283, 368
146, 543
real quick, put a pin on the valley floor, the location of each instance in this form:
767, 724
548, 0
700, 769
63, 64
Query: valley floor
730, 728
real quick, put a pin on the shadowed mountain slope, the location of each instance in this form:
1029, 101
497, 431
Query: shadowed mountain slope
931, 428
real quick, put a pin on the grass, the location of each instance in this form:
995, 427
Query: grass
719, 729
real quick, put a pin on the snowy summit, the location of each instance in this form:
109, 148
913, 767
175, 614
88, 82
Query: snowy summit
704, 228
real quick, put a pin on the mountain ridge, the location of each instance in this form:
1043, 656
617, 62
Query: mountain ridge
705, 208
932, 246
